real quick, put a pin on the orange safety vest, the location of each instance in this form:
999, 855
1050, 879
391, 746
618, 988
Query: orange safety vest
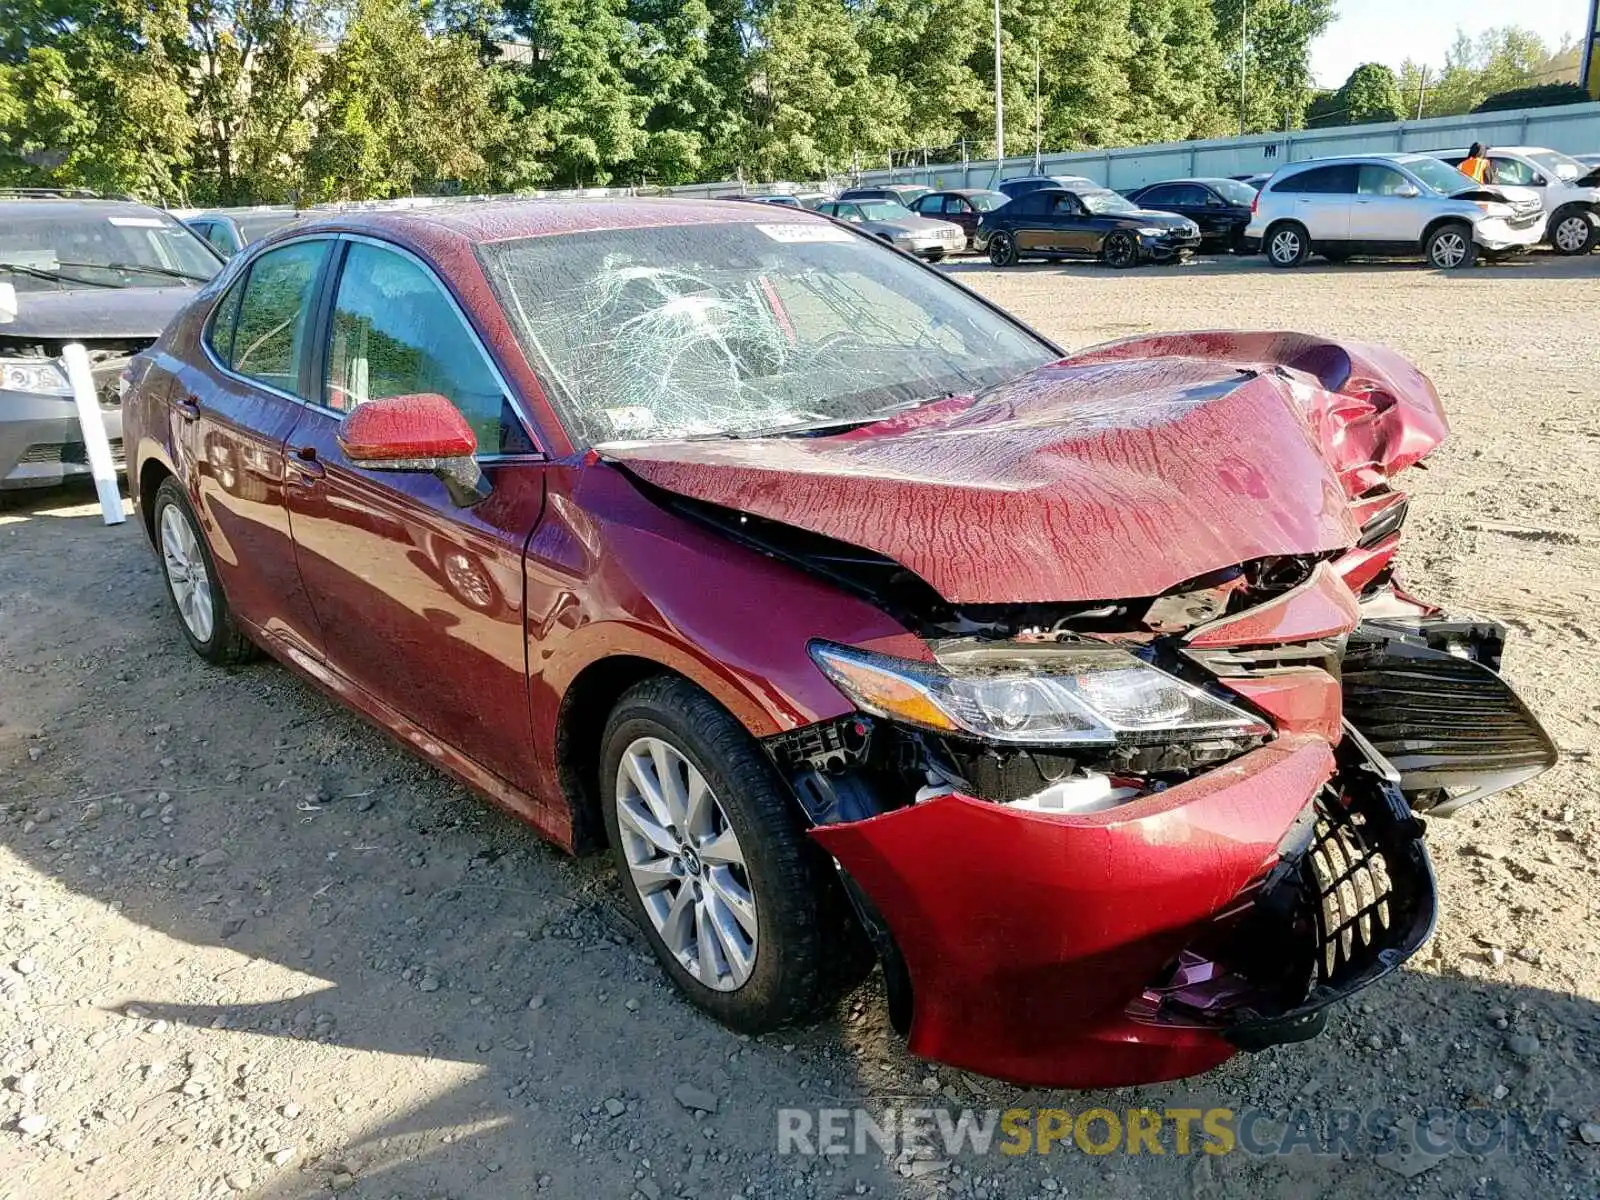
1477, 168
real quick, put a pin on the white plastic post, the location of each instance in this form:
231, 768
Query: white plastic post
76, 361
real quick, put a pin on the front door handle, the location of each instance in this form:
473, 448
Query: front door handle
189, 408
302, 461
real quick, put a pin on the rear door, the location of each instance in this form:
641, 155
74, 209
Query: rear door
1029, 219
238, 400
1380, 215
420, 599
1321, 200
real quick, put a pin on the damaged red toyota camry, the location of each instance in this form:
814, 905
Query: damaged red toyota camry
854, 616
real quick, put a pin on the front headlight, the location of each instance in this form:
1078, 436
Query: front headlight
38, 375
1082, 695
1493, 208
1152, 231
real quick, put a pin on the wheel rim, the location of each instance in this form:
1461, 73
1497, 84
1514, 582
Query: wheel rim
1449, 249
999, 251
685, 862
186, 573
1120, 250
1286, 246
1572, 234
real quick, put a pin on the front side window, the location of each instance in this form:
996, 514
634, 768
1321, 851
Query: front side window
274, 311
1381, 181
1510, 170
742, 328
394, 332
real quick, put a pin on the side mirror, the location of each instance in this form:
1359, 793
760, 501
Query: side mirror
421, 432
1407, 191
1539, 181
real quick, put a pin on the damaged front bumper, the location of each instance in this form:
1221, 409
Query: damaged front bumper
1148, 941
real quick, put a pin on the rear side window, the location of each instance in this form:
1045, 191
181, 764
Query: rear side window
1324, 181
259, 332
396, 333
1030, 204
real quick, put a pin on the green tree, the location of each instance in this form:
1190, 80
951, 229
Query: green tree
926, 49
1174, 72
1370, 95
399, 110
1277, 56
1498, 60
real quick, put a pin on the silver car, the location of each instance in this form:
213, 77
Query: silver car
899, 226
1391, 205
1574, 207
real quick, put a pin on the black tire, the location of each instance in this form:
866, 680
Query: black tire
1571, 232
1003, 250
1287, 244
227, 644
935, 256
1120, 250
1450, 247
802, 915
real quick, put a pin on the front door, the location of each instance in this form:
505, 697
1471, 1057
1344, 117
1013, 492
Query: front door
237, 404
1380, 214
419, 599
1075, 229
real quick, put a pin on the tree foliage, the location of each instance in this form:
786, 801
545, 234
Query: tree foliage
1371, 94
240, 101
1496, 62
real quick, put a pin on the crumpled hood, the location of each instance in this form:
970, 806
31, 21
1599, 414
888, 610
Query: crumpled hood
1119, 472
91, 312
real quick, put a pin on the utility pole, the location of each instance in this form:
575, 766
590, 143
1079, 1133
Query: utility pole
999, 101
1422, 90
1244, 23
1037, 166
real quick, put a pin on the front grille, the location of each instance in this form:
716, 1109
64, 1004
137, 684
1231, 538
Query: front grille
1450, 726
1350, 877
67, 453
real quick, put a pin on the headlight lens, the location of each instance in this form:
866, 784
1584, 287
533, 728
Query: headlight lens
1152, 231
38, 375
1078, 695
1493, 208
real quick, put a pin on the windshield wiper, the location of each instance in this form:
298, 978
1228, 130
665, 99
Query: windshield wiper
54, 276
839, 424
170, 272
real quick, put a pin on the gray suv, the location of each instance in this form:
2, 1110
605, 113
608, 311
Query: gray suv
106, 273
1390, 205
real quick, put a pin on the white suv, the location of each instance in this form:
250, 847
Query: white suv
1574, 225
1389, 204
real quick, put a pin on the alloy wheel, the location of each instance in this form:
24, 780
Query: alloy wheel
1285, 246
186, 573
1572, 235
1120, 250
1449, 249
685, 862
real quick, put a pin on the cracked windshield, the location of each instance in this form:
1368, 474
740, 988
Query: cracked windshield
742, 329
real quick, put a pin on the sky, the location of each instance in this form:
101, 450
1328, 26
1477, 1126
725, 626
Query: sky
1390, 31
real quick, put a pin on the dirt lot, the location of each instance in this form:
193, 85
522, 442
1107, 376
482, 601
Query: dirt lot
247, 946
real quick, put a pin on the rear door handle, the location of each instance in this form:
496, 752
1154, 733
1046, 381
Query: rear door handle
302, 461
189, 408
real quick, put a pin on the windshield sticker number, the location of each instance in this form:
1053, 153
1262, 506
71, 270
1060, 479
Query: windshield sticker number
807, 233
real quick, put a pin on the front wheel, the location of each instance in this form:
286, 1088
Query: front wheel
935, 256
1451, 248
737, 905
1003, 250
1120, 250
1572, 232
191, 578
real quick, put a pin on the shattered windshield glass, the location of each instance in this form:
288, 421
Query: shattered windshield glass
742, 328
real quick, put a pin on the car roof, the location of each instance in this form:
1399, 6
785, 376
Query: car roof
74, 205
503, 220
1205, 179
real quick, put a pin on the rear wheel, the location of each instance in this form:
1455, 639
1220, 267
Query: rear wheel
737, 904
1120, 250
1451, 248
1003, 250
191, 576
1571, 232
935, 256
1287, 245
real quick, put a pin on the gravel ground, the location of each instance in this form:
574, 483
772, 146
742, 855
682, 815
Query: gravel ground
247, 946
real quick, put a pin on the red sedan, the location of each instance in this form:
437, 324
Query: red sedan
849, 613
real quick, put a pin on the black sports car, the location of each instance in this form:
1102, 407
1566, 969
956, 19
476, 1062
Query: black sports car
1084, 223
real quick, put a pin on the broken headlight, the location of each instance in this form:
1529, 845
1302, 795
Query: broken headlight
1097, 696
41, 376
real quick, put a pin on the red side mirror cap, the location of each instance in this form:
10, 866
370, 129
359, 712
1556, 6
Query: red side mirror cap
406, 431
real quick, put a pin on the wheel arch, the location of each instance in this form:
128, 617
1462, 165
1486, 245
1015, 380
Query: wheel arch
1439, 223
151, 473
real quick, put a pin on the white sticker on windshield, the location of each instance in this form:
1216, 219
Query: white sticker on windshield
8, 303
820, 232
139, 222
